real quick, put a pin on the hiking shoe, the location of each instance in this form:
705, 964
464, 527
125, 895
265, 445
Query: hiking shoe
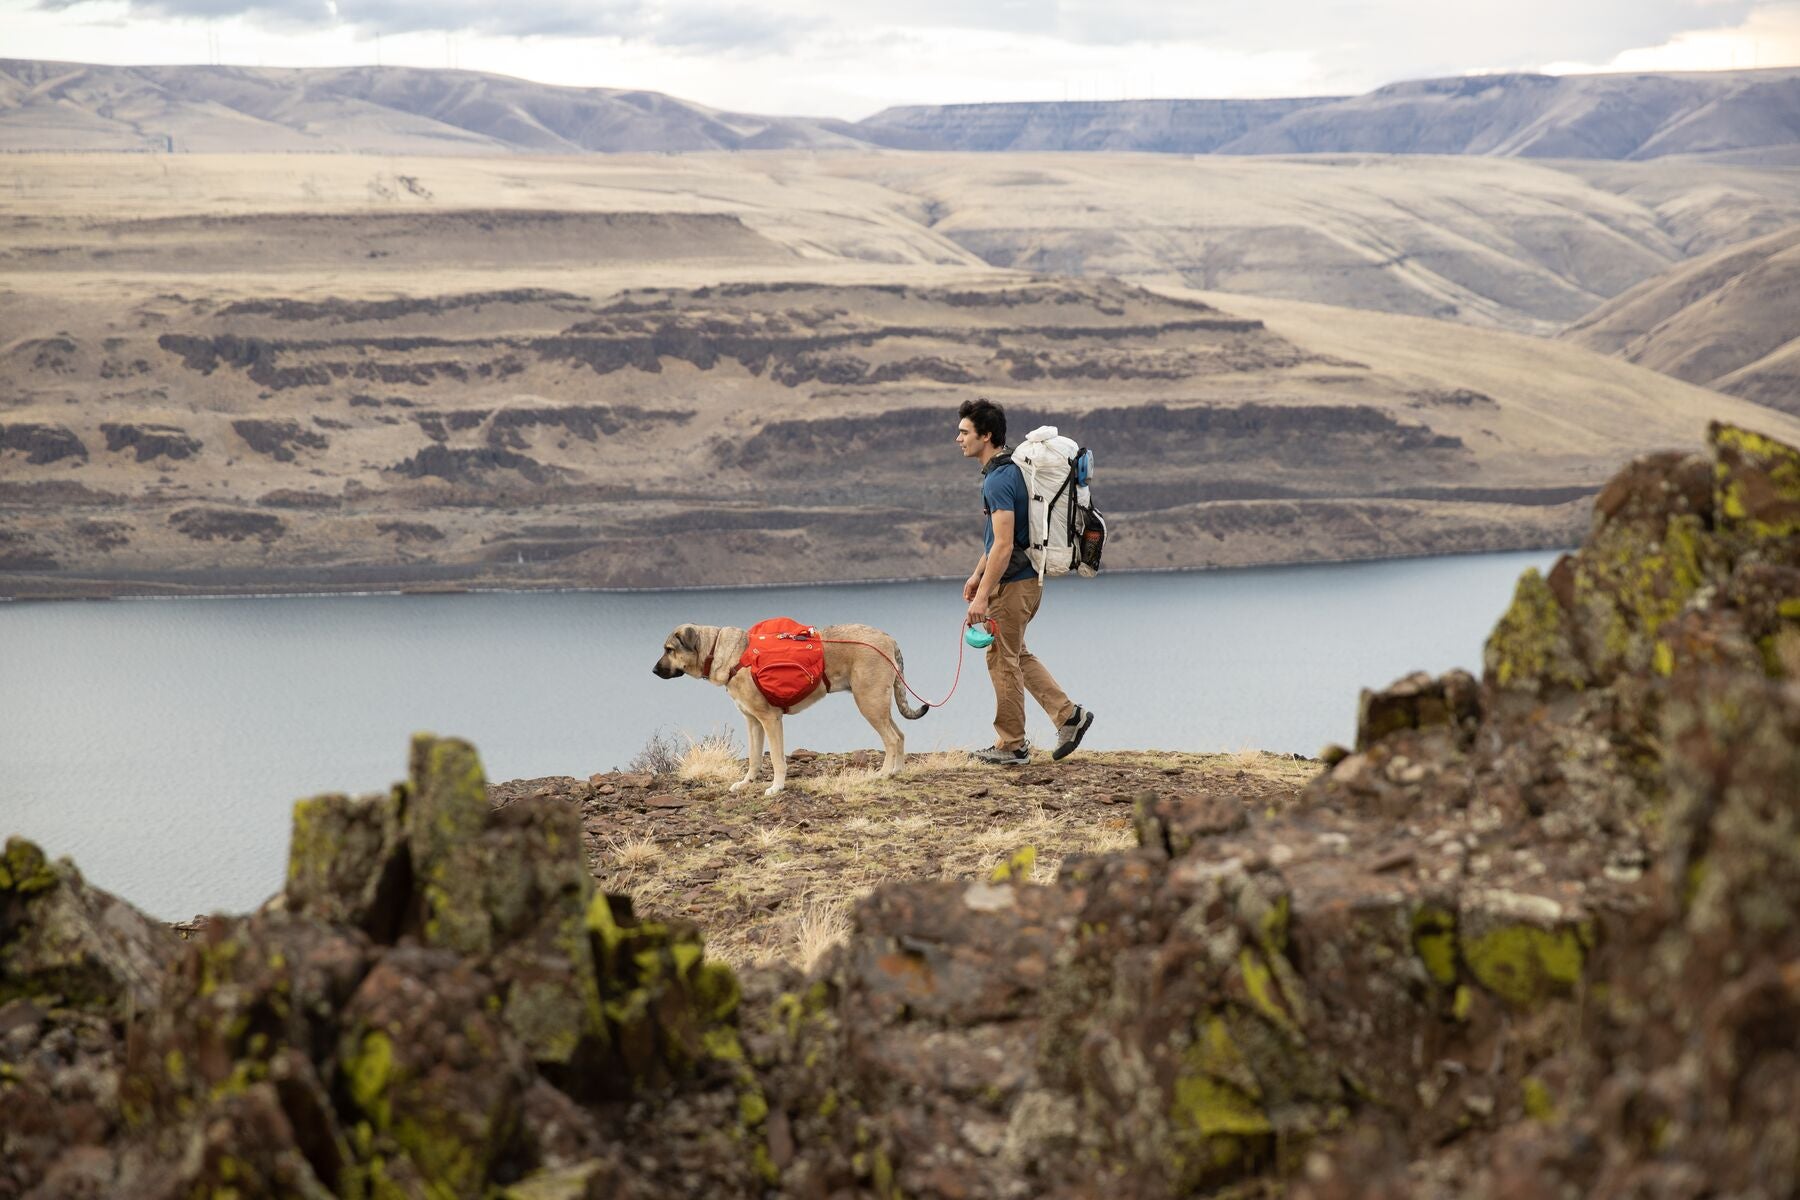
1070, 732
995, 756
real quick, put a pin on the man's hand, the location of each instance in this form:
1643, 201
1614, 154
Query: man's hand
978, 610
970, 584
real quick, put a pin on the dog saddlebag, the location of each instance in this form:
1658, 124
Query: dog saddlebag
786, 659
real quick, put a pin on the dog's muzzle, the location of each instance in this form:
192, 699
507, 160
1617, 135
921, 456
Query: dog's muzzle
663, 670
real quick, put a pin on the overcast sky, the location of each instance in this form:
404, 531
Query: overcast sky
848, 59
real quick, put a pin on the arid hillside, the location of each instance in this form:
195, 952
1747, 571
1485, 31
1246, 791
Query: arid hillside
1742, 116
1748, 115
299, 372
371, 110
1497, 243
1729, 321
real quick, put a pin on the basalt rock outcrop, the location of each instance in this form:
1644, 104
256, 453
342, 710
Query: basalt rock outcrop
1536, 934
438, 1005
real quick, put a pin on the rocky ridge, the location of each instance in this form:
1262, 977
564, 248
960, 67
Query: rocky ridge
1532, 935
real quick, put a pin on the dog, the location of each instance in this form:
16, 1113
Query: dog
711, 652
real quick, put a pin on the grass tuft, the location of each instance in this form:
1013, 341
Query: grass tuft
714, 758
635, 852
820, 925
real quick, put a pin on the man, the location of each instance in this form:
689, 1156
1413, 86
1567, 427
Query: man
1005, 588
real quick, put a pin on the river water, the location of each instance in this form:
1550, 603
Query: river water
161, 743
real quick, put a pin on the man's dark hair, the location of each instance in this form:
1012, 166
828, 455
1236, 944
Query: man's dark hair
987, 417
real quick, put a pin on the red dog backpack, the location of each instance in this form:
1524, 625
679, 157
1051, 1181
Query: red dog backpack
786, 659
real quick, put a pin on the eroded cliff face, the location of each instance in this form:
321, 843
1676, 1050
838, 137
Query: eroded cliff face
1533, 935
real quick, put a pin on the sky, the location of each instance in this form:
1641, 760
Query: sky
841, 58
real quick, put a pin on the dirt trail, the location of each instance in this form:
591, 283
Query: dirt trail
774, 878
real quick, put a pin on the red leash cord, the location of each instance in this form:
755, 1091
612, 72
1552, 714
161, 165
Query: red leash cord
898, 674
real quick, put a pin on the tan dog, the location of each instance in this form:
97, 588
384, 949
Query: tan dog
712, 652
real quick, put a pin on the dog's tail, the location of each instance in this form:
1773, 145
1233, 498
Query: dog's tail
906, 709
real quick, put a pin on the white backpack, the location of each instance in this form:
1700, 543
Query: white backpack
1066, 531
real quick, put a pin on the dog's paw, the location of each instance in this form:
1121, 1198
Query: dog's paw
741, 784
774, 789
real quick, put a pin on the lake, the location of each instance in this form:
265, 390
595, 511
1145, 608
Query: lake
161, 743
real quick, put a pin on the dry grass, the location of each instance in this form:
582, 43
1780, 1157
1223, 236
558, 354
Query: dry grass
634, 853
936, 762
714, 758
819, 925
771, 837
778, 879
851, 786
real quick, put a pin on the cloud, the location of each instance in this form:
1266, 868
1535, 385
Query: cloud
697, 25
826, 57
1769, 37
1409, 37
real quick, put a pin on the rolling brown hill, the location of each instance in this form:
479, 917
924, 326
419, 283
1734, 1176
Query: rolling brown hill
1745, 114
1729, 321
1615, 116
1506, 243
303, 372
387, 110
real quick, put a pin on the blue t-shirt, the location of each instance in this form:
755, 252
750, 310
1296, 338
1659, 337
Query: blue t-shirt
1002, 488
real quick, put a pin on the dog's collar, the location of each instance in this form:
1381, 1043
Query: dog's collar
707, 666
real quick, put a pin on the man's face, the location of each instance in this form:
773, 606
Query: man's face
967, 439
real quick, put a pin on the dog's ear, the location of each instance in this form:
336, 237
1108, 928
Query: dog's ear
689, 638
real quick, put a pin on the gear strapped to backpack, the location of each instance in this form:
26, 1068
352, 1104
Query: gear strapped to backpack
786, 659
1067, 531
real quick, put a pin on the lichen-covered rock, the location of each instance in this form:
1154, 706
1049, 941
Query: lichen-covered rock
1756, 487
1533, 648
65, 941
346, 864
1419, 702
444, 811
433, 1074
439, 1006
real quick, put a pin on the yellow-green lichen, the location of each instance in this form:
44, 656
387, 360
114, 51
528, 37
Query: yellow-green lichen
1272, 929
1779, 463
721, 1044
24, 869
370, 1072
1016, 869
1529, 644
763, 1164
1693, 879
1524, 964
716, 991
1535, 1098
1216, 1110
1259, 982
1434, 941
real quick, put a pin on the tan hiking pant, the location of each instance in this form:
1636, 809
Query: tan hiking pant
1014, 669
